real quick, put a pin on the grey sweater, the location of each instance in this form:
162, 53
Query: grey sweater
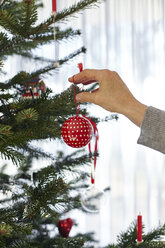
153, 129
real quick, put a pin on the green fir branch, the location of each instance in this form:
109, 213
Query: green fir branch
27, 115
28, 10
9, 22
39, 200
29, 55
20, 244
1, 64
15, 228
77, 7
60, 35
24, 77
64, 14
155, 234
14, 6
11, 154
60, 62
42, 197
72, 162
5, 130
9, 5
69, 242
151, 244
21, 26
22, 46
45, 39
128, 238
112, 246
37, 153
47, 125
9, 46
19, 19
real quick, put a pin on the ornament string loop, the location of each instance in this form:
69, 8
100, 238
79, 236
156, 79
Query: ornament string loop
77, 107
96, 133
54, 13
54, 26
80, 66
93, 168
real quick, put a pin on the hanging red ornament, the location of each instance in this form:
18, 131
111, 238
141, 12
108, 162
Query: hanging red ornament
64, 227
77, 131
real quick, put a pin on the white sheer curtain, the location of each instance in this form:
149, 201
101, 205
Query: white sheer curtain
129, 37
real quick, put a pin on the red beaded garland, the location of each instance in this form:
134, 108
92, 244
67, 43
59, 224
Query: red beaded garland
77, 131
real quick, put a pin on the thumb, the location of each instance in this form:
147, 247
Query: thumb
85, 97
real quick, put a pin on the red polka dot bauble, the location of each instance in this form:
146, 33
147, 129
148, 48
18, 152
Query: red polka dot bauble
77, 131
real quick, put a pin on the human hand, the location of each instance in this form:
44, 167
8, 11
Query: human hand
112, 94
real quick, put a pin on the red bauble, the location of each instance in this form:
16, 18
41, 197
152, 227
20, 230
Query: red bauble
64, 227
77, 131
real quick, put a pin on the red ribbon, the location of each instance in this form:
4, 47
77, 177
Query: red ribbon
77, 108
96, 133
80, 66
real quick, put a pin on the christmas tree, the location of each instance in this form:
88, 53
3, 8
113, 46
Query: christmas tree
30, 111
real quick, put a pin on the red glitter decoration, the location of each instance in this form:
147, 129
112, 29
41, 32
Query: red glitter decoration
64, 227
77, 131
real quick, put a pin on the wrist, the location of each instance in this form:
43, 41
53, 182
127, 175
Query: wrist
135, 112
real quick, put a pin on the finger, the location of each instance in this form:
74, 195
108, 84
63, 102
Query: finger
88, 75
85, 97
83, 82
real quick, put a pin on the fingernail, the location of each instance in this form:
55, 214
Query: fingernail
70, 79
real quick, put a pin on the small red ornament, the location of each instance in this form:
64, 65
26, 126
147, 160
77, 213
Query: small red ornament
64, 227
3, 232
77, 131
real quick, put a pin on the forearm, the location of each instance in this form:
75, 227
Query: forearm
135, 111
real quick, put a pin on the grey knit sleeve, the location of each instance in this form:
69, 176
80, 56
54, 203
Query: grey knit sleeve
153, 129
